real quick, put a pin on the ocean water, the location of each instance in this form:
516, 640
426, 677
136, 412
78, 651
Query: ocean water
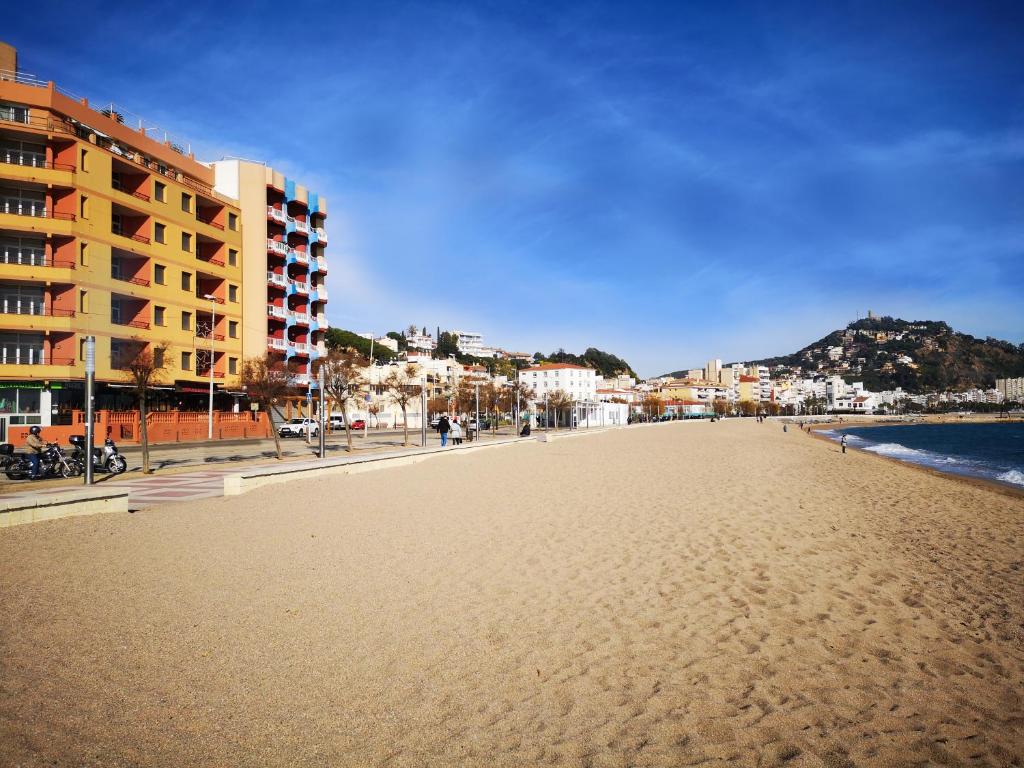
990, 451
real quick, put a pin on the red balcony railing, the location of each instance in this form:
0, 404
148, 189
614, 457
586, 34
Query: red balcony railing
133, 280
141, 196
211, 223
132, 323
42, 312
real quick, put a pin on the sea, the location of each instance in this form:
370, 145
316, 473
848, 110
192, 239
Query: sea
991, 451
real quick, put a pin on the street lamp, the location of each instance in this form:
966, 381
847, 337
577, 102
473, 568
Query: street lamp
213, 324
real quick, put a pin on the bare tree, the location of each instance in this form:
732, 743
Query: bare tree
374, 409
266, 380
402, 384
343, 381
720, 406
144, 369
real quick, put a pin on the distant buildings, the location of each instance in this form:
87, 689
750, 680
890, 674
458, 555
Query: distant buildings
1011, 389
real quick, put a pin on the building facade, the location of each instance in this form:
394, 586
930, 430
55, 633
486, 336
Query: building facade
577, 381
285, 272
107, 231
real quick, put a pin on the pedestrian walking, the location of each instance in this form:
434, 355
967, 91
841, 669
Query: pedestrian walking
456, 431
444, 427
842, 442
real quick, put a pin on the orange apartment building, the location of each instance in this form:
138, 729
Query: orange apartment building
108, 231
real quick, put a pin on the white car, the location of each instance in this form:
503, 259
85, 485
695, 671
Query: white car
299, 427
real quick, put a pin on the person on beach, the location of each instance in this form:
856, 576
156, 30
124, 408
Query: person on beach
456, 431
842, 442
444, 427
785, 428
525, 431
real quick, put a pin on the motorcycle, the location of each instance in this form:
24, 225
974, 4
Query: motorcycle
53, 462
105, 459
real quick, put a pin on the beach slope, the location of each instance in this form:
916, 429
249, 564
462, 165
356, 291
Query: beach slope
672, 595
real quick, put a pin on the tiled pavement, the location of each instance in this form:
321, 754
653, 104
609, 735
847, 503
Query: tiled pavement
156, 489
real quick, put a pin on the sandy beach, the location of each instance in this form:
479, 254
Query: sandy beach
682, 594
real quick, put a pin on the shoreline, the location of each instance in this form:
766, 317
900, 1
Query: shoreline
1007, 489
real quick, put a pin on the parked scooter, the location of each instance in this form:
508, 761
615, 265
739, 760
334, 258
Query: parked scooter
105, 459
53, 462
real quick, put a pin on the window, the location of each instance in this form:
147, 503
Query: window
160, 192
83, 207
22, 250
233, 365
83, 163
232, 221
186, 281
159, 232
186, 321
232, 257
186, 361
232, 329
81, 349
186, 202
116, 224
159, 270
158, 315
158, 357
116, 314
233, 293
83, 302
83, 254
186, 242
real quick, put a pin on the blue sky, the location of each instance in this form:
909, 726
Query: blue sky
666, 181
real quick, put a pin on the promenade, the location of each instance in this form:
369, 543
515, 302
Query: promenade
685, 593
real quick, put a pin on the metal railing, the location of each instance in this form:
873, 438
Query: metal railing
36, 311
32, 160
33, 260
133, 280
29, 208
276, 343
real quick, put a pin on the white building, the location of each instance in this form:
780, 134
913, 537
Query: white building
1011, 389
578, 382
470, 343
421, 341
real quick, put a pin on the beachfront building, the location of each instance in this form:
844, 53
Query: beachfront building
577, 381
285, 271
420, 342
109, 231
1011, 390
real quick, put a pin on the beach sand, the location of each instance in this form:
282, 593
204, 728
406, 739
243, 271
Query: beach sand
673, 595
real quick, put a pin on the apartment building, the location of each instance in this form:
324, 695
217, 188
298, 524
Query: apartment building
106, 230
285, 272
577, 381
1012, 390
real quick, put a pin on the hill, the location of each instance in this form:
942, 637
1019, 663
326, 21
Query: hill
917, 355
605, 363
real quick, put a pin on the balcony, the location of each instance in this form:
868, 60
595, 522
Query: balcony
276, 214
321, 321
301, 226
296, 287
278, 313
35, 317
299, 318
278, 280
321, 235
140, 324
321, 264
298, 348
204, 371
31, 356
35, 259
278, 345
278, 247
206, 333
132, 280
321, 293
298, 257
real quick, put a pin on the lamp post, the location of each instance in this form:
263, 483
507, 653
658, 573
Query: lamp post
477, 411
323, 420
423, 410
213, 325
90, 377
369, 376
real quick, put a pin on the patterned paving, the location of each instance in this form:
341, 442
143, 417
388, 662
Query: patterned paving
156, 489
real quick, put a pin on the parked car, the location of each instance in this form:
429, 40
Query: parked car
337, 422
358, 424
484, 424
299, 427
434, 422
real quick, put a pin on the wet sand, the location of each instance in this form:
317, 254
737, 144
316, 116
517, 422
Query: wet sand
673, 595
